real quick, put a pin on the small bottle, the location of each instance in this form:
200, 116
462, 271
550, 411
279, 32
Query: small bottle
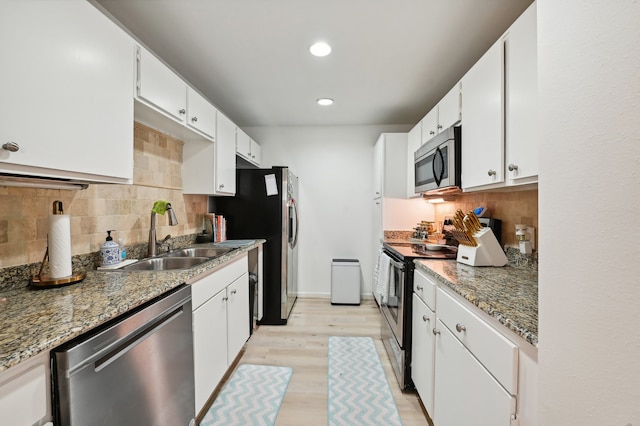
123, 250
110, 251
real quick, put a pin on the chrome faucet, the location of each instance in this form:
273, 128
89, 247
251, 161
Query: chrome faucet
153, 243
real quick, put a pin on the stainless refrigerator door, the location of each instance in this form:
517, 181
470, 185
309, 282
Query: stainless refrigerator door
293, 226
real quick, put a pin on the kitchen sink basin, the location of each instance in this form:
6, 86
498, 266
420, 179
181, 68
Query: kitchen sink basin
199, 252
166, 263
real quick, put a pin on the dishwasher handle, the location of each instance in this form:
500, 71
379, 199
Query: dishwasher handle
132, 340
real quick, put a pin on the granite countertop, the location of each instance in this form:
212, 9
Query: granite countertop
509, 293
37, 320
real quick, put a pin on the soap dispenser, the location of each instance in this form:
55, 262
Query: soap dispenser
110, 251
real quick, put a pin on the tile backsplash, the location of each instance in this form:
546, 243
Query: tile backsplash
514, 207
126, 208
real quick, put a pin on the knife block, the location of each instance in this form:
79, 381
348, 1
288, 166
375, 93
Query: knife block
487, 253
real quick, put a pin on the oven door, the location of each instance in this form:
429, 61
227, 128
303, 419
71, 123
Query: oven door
393, 306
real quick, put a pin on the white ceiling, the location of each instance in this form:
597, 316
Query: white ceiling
392, 60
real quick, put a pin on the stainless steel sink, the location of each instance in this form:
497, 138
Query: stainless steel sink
166, 263
199, 252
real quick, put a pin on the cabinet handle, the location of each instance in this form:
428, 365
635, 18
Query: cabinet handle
419, 287
11, 147
491, 172
249, 154
221, 186
253, 156
182, 111
439, 126
431, 132
435, 331
234, 291
425, 318
460, 328
194, 119
224, 299
513, 167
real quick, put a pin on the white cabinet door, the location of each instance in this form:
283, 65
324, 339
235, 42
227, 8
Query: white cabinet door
256, 153
413, 143
466, 394
430, 125
225, 168
209, 346
160, 87
482, 135
449, 108
25, 392
66, 85
378, 166
237, 316
423, 352
521, 94
243, 144
201, 115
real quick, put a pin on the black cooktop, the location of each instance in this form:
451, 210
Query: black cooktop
419, 251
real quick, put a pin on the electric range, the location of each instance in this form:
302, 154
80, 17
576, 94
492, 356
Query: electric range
396, 308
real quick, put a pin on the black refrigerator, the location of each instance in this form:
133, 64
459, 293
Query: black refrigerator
265, 206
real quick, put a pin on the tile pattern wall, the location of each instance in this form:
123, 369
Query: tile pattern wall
511, 208
126, 208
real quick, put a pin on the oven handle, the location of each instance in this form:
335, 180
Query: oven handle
397, 265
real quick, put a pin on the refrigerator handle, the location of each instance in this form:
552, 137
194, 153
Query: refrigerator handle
293, 239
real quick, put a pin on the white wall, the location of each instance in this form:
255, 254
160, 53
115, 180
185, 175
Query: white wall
335, 170
589, 199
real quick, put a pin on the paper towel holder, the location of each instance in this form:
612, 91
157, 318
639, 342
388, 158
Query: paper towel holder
44, 281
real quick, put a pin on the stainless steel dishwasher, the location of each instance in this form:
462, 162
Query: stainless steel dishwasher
135, 370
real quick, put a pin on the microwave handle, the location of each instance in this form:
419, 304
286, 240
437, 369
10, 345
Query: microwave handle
437, 178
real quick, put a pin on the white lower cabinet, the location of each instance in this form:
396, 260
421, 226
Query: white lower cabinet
220, 324
25, 394
422, 352
466, 393
464, 369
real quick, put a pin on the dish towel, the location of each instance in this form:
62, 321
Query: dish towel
382, 288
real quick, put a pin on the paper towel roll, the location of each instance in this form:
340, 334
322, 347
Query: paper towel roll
59, 246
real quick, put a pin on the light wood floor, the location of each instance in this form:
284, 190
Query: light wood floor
303, 344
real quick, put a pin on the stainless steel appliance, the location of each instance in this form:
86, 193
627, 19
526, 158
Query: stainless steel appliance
396, 309
134, 370
266, 206
438, 163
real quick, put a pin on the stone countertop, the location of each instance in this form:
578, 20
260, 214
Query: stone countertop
36, 320
509, 294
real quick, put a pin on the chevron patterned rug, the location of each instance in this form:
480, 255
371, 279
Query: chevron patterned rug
252, 397
359, 393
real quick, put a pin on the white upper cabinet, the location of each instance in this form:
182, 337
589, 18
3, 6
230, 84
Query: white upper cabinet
450, 108
160, 87
256, 153
225, 164
201, 114
430, 125
521, 86
247, 148
243, 144
500, 137
165, 102
482, 127
210, 168
66, 109
444, 115
413, 143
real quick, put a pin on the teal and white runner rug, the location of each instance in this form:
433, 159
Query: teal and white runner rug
359, 393
252, 397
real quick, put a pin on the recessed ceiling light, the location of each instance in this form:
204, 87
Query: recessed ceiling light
320, 49
325, 101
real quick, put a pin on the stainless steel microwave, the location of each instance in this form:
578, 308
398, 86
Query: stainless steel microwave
438, 163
